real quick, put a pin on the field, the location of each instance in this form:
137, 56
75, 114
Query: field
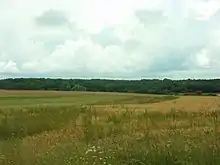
73, 128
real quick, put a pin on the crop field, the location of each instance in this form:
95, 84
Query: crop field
82, 128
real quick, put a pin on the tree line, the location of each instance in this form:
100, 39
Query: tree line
148, 86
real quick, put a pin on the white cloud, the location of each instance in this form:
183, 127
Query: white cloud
8, 67
205, 9
203, 59
110, 37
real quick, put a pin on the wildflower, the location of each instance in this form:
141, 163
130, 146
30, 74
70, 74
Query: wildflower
89, 150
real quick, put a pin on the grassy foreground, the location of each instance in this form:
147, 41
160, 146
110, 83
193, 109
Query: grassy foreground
111, 129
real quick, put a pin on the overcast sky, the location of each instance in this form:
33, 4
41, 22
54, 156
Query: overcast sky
110, 38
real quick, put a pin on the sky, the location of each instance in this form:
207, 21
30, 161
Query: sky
110, 39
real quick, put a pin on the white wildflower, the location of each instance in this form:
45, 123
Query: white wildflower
89, 150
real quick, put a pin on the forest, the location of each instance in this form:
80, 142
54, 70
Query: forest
148, 86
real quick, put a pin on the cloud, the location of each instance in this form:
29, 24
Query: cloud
8, 67
106, 37
52, 18
93, 38
150, 17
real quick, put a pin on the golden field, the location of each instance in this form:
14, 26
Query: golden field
73, 128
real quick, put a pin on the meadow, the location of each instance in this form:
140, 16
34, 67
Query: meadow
82, 128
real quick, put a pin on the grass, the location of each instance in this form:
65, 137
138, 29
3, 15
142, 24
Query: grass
30, 121
27, 99
109, 129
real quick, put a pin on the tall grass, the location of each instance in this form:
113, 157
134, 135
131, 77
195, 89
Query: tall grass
122, 137
18, 123
126, 138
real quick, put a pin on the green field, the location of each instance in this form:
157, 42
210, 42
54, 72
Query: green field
70, 128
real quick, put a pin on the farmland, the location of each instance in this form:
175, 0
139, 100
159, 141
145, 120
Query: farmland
80, 128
